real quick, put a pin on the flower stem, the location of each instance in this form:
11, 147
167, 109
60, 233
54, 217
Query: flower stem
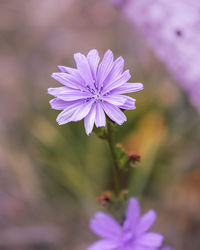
115, 163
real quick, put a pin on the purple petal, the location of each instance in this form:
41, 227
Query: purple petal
100, 119
67, 94
63, 68
116, 71
105, 226
93, 60
68, 80
58, 90
150, 240
115, 99
66, 115
128, 88
74, 112
59, 104
127, 247
104, 245
145, 222
74, 74
132, 214
82, 111
166, 248
105, 67
129, 104
117, 82
89, 120
139, 247
84, 68
114, 113
69, 70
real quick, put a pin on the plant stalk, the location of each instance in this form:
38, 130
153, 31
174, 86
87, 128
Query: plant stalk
115, 162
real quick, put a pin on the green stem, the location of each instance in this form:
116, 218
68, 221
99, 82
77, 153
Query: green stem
115, 165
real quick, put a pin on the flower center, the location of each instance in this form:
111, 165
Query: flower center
97, 96
96, 93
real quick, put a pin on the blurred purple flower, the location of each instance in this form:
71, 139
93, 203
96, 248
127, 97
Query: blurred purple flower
172, 30
90, 91
132, 235
166, 248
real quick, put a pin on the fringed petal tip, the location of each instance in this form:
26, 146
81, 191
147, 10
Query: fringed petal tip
62, 68
53, 75
140, 86
50, 91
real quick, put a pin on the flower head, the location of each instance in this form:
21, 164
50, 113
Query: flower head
132, 235
91, 91
168, 32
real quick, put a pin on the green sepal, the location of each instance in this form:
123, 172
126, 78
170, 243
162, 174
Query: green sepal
125, 161
122, 157
100, 132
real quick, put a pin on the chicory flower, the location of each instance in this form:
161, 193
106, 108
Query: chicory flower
132, 235
93, 91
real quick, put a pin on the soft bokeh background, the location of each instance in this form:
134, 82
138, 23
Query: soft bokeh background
50, 175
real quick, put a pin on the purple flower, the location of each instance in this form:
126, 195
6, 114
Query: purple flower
172, 30
132, 235
90, 91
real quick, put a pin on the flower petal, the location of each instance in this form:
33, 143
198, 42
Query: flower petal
104, 67
132, 214
117, 82
150, 240
66, 115
104, 245
69, 70
74, 112
93, 60
166, 248
58, 90
89, 120
139, 247
115, 99
114, 113
59, 104
82, 111
100, 119
129, 104
116, 71
145, 222
105, 226
84, 68
63, 68
68, 94
68, 80
73, 72
128, 88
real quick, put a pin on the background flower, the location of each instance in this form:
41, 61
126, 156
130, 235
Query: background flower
132, 235
172, 30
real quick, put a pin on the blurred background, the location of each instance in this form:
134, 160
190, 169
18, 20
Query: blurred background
50, 175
